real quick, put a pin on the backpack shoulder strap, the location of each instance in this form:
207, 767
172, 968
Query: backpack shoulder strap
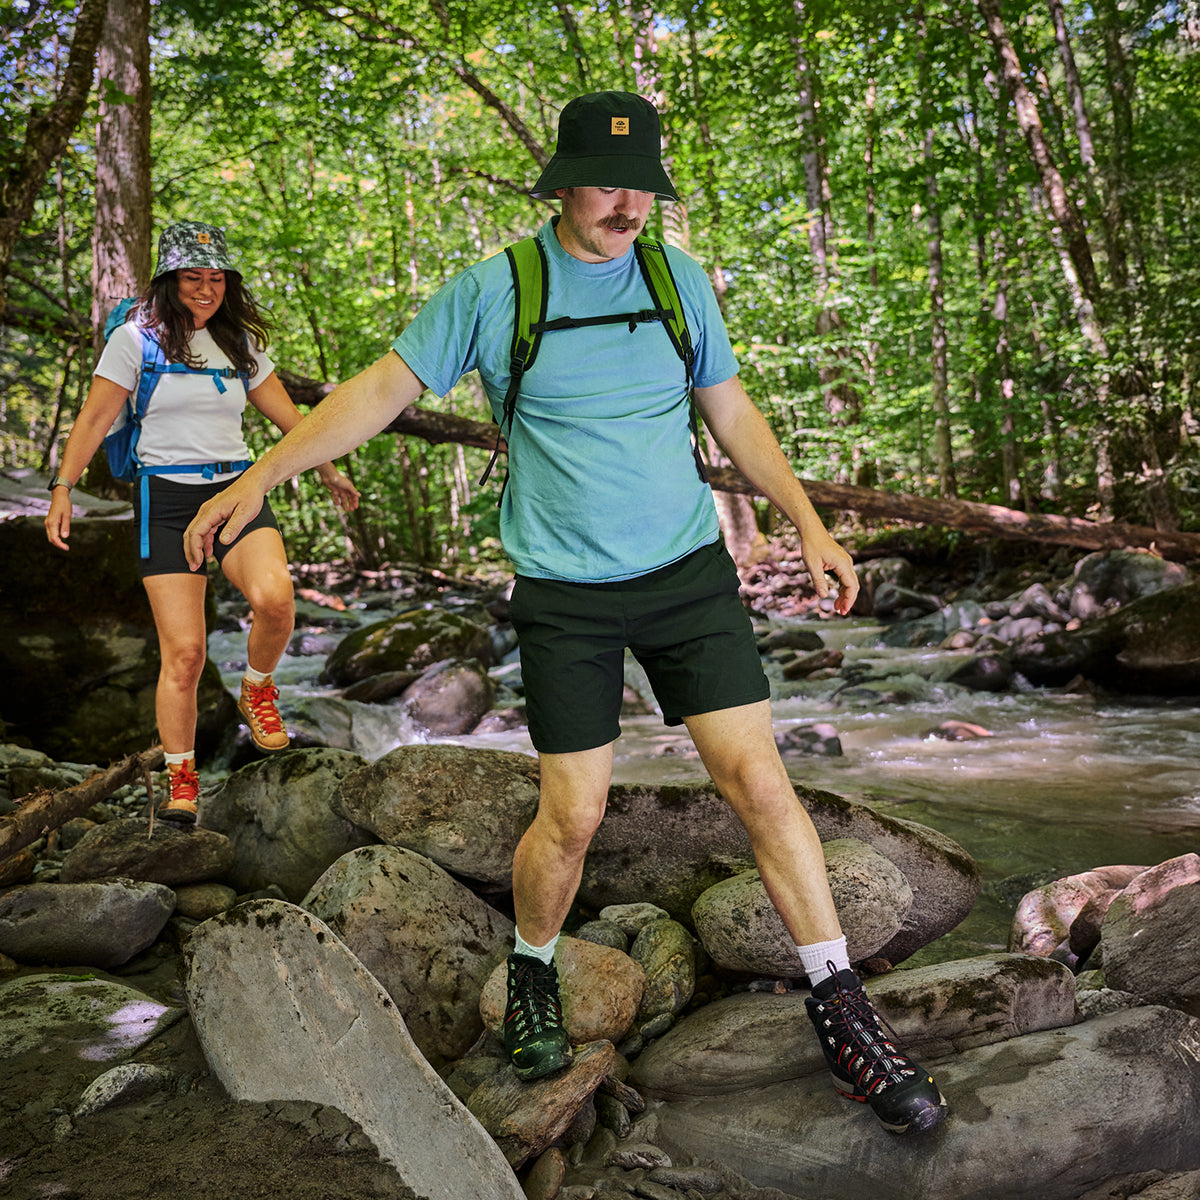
531, 289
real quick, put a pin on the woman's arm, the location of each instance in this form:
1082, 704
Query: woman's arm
100, 409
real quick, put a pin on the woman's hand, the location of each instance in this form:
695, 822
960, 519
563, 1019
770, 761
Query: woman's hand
341, 491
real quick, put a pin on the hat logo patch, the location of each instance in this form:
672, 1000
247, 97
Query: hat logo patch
204, 239
620, 127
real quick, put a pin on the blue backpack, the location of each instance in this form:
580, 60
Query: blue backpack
120, 443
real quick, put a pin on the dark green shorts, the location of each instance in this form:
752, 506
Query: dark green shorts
685, 624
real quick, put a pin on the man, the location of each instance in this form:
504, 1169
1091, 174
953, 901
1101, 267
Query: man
614, 537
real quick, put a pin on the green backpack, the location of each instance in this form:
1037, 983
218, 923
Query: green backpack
530, 272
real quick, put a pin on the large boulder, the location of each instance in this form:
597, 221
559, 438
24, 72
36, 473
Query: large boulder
277, 817
284, 1011
1150, 938
465, 809
1112, 578
668, 844
172, 856
428, 939
79, 658
412, 640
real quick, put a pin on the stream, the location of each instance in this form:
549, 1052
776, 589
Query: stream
1066, 782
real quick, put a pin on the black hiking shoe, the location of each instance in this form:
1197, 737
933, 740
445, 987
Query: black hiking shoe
533, 1027
864, 1062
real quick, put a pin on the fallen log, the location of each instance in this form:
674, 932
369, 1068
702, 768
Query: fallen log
988, 520
43, 811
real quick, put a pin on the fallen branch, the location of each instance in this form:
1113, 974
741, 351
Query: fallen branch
43, 811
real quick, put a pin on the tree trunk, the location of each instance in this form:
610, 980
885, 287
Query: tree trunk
46, 137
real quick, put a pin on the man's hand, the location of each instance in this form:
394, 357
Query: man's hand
821, 554
234, 508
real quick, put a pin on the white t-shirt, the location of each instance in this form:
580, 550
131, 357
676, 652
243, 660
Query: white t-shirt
188, 420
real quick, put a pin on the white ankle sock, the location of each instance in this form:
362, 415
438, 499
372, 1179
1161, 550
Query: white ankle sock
816, 957
545, 953
174, 760
255, 677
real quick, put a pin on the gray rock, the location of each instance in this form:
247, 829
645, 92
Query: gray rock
99, 924
129, 1081
175, 854
199, 901
666, 953
277, 816
997, 1143
1117, 577
631, 919
96, 1020
603, 933
465, 809
1151, 935
430, 941
741, 930
283, 1010
450, 698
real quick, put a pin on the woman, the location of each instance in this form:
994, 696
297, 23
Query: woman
200, 314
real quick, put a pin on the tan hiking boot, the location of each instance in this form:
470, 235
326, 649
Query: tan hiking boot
257, 706
184, 784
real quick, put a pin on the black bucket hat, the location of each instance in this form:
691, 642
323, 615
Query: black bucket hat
192, 244
607, 139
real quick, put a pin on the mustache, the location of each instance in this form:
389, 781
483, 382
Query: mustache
620, 221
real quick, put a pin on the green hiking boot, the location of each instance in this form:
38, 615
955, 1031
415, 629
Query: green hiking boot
533, 1027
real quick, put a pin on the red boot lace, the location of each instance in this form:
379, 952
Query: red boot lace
185, 784
261, 701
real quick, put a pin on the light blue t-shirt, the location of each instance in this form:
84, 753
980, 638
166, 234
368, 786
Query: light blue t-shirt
602, 484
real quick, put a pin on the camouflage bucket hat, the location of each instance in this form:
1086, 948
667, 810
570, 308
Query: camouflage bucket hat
610, 140
192, 244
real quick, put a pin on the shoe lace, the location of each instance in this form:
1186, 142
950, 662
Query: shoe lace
534, 1004
185, 784
261, 702
864, 1049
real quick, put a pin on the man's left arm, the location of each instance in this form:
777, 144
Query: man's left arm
743, 433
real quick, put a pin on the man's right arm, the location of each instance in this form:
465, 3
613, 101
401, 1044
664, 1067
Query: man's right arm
351, 414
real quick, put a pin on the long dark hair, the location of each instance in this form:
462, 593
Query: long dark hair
238, 319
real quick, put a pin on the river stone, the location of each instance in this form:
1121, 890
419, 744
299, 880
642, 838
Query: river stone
600, 987
450, 698
1151, 935
94, 1020
96, 924
129, 1081
755, 1039
741, 930
668, 844
1046, 1115
872, 575
174, 854
1119, 577
277, 816
412, 640
524, 1118
429, 940
1044, 917
465, 809
667, 955
284, 1011
199, 901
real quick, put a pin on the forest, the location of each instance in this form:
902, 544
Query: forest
955, 241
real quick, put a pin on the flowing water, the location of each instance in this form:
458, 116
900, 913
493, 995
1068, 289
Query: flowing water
1066, 782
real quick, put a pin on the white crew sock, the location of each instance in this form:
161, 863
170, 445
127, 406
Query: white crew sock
255, 677
545, 953
817, 957
175, 760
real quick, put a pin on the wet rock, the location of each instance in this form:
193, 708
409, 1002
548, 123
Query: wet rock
666, 953
277, 815
601, 990
872, 575
285, 1011
790, 638
376, 689
175, 854
1151, 935
1111, 578
1141, 1119
414, 640
892, 600
807, 664
821, 738
546, 1175
741, 930
957, 731
752, 1041
465, 809
604, 933
450, 698
429, 940
983, 673
524, 1118
1042, 922
97, 924
129, 1081
96, 1021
